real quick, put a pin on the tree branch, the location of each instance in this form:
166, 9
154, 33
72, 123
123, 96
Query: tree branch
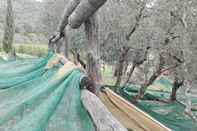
169, 68
138, 18
77, 58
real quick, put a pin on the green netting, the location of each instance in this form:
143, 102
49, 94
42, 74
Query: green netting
34, 99
165, 85
1, 60
171, 115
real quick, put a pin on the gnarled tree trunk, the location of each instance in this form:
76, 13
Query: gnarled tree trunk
120, 65
154, 76
84, 11
176, 85
136, 63
71, 6
91, 30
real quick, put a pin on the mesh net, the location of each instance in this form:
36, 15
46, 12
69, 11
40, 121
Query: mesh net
171, 115
35, 99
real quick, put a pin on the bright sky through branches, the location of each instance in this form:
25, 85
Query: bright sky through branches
39, 0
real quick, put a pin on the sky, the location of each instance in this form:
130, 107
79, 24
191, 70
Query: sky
39, 0
151, 3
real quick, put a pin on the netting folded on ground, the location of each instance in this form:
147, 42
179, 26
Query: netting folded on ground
34, 99
171, 115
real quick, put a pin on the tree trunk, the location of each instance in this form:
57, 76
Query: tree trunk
81, 61
116, 70
130, 73
9, 28
84, 11
65, 44
62, 45
138, 19
102, 118
91, 30
59, 45
119, 74
72, 4
146, 85
136, 63
77, 58
173, 94
155, 75
120, 66
188, 108
176, 86
126, 66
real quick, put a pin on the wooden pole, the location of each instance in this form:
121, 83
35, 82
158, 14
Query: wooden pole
102, 118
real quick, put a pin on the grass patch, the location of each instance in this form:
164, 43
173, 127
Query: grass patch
30, 49
107, 75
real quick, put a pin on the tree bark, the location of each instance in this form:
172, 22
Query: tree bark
77, 58
126, 66
102, 118
65, 44
136, 63
53, 40
137, 23
9, 28
85, 10
145, 86
61, 46
81, 61
188, 108
130, 74
155, 75
116, 70
72, 4
91, 30
176, 85
120, 65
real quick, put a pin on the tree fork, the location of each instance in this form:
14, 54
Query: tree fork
136, 63
176, 85
150, 81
